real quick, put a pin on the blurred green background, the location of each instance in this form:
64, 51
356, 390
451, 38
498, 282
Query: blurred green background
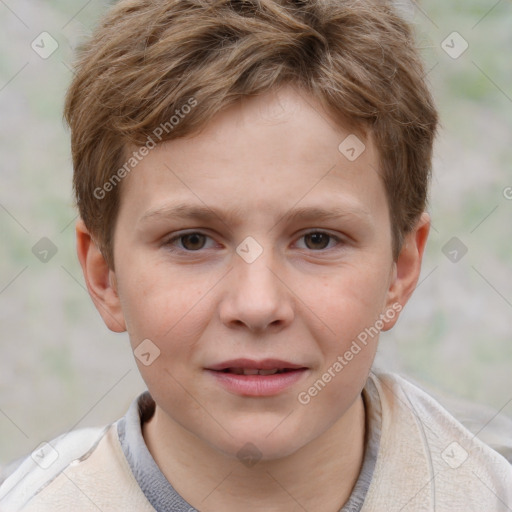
61, 368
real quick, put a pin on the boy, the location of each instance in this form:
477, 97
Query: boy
290, 142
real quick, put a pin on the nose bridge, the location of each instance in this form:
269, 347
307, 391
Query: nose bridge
254, 271
256, 296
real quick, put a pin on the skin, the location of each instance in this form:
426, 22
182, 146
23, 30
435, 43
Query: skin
303, 300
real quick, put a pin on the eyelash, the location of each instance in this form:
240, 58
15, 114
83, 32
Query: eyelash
169, 242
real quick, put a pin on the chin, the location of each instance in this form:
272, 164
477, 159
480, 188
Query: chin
251, 445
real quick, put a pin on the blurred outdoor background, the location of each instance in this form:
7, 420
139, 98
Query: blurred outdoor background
60, 368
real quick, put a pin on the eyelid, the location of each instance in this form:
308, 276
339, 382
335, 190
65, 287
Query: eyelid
168, 241
339, 239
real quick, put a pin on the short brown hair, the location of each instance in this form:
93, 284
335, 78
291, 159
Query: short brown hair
149, 59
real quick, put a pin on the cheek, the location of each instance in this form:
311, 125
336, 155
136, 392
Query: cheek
349, 302
163, 306
351, 309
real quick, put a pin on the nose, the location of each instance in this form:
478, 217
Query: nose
256, 296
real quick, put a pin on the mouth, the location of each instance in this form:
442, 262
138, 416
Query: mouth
243, 366
248, 377
256, 371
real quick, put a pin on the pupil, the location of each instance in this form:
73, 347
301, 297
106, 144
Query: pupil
196, 239
318, 238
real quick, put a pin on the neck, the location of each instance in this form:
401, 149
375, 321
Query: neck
325, 469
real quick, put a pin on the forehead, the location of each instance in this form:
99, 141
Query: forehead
267, 152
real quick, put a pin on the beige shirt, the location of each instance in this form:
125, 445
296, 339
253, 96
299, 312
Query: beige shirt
427, 461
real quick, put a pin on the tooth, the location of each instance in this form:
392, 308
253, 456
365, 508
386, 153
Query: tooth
250, 371
268, 372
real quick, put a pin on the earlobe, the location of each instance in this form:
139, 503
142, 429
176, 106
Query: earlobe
100, 279
406, 271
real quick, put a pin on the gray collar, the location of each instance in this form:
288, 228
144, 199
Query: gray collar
162, 495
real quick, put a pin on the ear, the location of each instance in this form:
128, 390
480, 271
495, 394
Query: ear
406, 271
100, 280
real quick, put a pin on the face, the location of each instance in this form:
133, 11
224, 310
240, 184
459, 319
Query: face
256, 245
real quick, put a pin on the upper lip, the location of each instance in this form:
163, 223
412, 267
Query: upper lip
264, 364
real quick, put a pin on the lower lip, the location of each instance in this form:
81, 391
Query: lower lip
258, 385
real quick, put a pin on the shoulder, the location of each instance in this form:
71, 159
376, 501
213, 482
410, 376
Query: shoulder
81, 470
470, 420
45, 464
428, 457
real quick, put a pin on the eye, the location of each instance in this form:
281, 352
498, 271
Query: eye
191, 242
195, 241
319, 240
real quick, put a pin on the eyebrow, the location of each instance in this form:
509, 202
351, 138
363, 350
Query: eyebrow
234, 215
